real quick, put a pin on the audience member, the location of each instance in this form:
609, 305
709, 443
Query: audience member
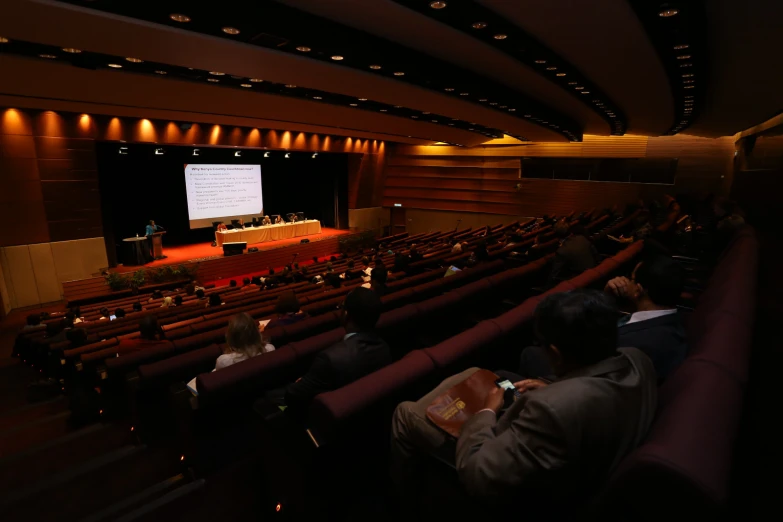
167, 301
137, 306
457, 248
105, 314
246, 281
576, 253
360, 352
555, 441
214, 300
378, 281
287, 310
200, 294
190, 289
77, 337
150, 336
481, 251
414, 254
119, 313
157, 294
177, 300
244, 341
34, 323
232, 283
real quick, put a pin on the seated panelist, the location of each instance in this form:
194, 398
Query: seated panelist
222, 227
266, 221
278, 220
294, 218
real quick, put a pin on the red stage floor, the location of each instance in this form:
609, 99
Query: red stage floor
203, 251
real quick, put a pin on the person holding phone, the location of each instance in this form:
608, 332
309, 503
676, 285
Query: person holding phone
554, 441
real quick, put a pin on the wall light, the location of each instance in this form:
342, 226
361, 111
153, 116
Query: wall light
266, 154
196, 152
159, 152
287, 155
315, 155
238, 154
124, 151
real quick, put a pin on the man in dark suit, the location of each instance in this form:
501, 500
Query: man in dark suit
655, 326
360, 352
576, 253
557, 442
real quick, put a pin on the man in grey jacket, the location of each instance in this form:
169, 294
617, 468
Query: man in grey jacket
557, 443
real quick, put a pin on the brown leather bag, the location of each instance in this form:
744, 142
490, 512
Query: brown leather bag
452, 409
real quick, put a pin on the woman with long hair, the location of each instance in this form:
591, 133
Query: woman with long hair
244, 341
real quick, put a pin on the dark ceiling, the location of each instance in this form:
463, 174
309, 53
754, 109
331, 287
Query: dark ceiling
458, 71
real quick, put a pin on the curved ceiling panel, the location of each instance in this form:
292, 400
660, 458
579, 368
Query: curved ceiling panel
607, 44
485, 25
271, 25
395, 22
62, 24
745, 76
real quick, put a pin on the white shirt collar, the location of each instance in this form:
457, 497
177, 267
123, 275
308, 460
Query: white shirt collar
652, 314
348, 336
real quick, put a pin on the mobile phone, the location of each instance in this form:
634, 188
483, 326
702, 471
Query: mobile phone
507, 385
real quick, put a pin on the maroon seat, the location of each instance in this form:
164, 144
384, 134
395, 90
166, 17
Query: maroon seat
178, 368
466, 343
332, 408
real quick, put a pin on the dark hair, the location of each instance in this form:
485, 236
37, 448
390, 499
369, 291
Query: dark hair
105, 312
256, 280
242, 335
335, 280
296, 266
137, 306
232, 283
190, 289
178, 300
350, 263
287, 303
148, 327
76, 311
119, 312
582, 324
379, 274
579, 230
662, 278
214, 299
561, 229
365, 261
157, 294
34, 319
76, 336
363, 308
200, 293
271, 271
304, 270
246, 281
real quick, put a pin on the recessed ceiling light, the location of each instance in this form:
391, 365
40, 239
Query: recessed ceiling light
134, 60
161, 72
470, 129
449, 89
689, 96
362, 99
212, 80
231, 30
415, 117
688, 81
688, 86
398, 106
493, 103
383, 110
71, 50
451, 124
482, 100
337, 58
4, 39
291, 86
500, 36
434, 121
689, 75
527, 115
585, 92
479, 25
399, 73
686, 65
511, 110
437, 5
681, 46
666, 13
115, 66
216, 73
256, 80
572, 83
426, 112
540, 61
179, 17
683, 56
48, 56
246, 85
502, 106
579, 88
375, 67
464, 93
560, 74
317, 98
354, 104
551, 68
303, 49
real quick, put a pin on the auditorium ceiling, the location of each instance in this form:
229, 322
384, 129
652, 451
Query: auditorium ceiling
416, 71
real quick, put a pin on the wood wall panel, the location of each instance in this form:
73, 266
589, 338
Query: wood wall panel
484, 179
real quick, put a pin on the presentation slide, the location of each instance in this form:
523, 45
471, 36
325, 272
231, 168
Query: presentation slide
222, 193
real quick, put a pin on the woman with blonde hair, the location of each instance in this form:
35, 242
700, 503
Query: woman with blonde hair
167, 301
244, 341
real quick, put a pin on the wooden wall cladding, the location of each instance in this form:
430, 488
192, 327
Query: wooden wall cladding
489, 179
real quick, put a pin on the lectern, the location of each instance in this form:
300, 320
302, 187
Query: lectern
157, 244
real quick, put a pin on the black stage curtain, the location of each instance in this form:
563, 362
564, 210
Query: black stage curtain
139, 185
